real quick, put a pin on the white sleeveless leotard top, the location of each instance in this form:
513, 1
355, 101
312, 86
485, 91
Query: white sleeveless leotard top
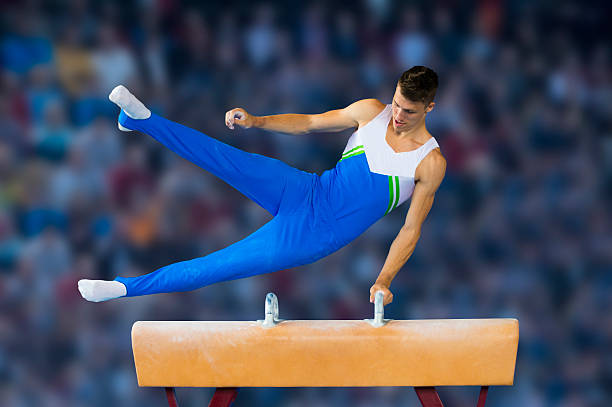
381, 159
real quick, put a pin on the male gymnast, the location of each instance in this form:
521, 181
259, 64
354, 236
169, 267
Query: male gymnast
390, 158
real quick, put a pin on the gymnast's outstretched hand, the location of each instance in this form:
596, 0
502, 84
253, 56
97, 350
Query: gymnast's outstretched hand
240, 117
387, 297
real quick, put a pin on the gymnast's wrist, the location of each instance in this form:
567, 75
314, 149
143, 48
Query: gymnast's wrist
258, 121
384, 281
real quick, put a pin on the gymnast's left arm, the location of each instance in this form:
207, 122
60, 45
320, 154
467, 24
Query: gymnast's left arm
428, 177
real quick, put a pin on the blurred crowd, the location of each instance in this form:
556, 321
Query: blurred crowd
519, 227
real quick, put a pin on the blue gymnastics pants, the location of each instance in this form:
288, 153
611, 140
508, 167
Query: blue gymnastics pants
299, 233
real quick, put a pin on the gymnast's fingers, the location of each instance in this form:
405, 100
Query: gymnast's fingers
239, 114
241, 117
387, 295
229, 119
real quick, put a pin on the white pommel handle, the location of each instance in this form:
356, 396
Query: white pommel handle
379, 308
379, 311
271, 309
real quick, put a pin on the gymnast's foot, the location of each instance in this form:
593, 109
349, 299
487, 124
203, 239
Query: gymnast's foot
132, 107
101, 290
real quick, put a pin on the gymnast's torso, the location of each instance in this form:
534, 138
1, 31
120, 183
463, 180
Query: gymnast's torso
370, 179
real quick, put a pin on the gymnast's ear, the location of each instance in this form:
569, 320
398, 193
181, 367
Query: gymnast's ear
429, 107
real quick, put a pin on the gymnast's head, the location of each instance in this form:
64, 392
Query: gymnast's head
413, 98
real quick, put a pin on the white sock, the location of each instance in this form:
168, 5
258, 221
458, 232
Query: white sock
101, 290
133, 107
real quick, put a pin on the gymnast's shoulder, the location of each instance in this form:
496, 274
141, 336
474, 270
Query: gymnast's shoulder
432, 168
364, 110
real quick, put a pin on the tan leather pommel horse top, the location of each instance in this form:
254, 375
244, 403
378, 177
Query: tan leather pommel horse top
324, 353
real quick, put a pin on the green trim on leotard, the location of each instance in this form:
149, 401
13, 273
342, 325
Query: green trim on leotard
352, 152
394, 193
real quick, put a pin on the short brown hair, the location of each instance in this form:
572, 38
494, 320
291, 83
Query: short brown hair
419, 84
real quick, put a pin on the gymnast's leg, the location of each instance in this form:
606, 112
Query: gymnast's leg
262, 179
266, 250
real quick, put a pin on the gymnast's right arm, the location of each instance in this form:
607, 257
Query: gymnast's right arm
351, 116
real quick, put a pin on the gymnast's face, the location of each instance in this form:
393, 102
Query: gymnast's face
406, 113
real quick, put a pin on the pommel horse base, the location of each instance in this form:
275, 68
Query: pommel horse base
326, 353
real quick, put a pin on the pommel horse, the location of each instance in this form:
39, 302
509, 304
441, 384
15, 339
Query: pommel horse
326, 353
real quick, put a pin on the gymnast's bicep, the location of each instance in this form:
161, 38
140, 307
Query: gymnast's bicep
430, 175
352, 116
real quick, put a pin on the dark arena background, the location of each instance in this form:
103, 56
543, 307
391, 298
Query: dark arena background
521, 226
